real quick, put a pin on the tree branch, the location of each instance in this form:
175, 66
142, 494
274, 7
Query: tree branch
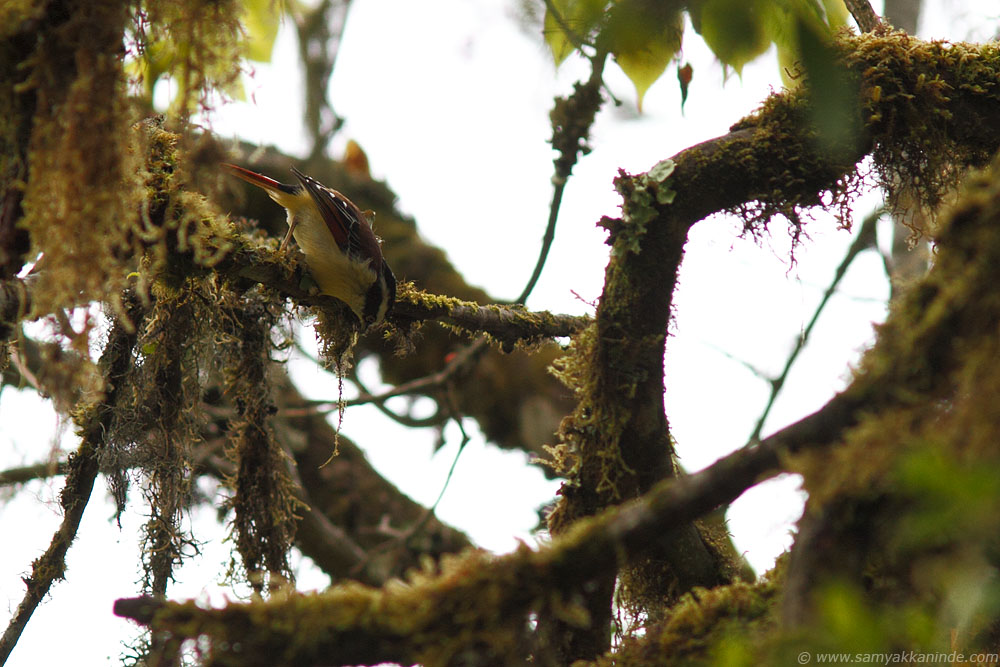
865, 240
772, 163
83, 466
341, 625
863, 13
324, 624
37, 471
507, 324
572, 119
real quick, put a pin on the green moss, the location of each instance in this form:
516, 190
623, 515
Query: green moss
15, 13
921, 109
82, 187
784, 134
727, 625
181, 233
911, 494
435, 615
589, 455
915, 96
197, 44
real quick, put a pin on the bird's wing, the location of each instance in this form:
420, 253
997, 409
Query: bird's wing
346, 222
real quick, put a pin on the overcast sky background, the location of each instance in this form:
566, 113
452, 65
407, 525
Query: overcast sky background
450, 101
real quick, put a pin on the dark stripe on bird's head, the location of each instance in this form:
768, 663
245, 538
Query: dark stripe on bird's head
383, 290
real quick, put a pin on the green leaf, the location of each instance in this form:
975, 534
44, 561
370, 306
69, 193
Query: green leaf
781, 22
833, 91
836, 13
644, 38
580, 17
738, 31
735, 30
952, 497
260, 19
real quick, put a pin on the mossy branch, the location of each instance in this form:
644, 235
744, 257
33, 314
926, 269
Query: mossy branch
775, 162
924, 341
83, 467
481, 601
507, 324
863, 14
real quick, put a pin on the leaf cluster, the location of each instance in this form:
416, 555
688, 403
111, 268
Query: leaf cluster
645, 36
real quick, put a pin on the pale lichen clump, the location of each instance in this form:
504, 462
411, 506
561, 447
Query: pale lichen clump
644, 191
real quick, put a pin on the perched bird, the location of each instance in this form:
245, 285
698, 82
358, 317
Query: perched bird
342, 251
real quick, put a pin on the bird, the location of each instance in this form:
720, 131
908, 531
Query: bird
341, 249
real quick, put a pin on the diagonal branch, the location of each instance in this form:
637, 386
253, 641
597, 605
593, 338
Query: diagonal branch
863, 13
572, 119
338, 626
769, 164
83, 467
864, 240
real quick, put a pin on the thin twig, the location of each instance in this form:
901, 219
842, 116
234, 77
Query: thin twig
547, 239
863, 14
570, 147
864, 240
428, 383
404, 420
429, 512
451, 470
404, 537
23, 370
37, 471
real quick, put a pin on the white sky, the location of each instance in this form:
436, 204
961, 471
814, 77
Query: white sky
450, 101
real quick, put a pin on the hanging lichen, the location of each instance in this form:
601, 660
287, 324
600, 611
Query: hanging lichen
82, 185
264, 501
